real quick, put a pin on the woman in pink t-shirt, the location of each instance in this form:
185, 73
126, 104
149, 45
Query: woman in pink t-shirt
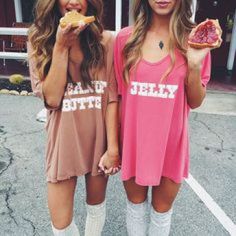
159, 79
72, 70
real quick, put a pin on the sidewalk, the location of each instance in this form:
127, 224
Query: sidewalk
219, 103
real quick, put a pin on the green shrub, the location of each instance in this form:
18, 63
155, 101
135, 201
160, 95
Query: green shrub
16, 79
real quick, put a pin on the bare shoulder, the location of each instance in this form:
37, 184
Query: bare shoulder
108, 38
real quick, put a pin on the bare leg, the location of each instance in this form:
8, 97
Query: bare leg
61, 201
135, 193
96, 206
95, 188
164, 195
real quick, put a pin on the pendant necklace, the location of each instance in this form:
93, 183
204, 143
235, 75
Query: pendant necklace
161, 45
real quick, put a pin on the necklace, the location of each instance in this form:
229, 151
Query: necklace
161, 45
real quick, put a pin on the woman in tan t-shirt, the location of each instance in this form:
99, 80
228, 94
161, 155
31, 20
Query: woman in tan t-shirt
71, 69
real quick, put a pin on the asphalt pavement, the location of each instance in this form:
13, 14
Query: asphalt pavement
23, 206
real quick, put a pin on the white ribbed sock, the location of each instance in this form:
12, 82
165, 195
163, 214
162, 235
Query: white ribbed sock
160, 223
95, 220
137, 218
70, 230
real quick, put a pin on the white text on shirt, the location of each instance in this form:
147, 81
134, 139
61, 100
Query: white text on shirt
153, 89
85, 102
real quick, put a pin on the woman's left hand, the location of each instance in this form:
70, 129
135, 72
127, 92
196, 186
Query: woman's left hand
196, 56
109, 163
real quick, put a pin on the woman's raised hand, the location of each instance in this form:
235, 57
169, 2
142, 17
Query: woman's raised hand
196, 56
67, 36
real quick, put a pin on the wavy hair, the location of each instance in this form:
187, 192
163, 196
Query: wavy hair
42, 36
179, 28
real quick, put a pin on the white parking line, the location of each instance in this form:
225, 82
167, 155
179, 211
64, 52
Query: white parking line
214, 208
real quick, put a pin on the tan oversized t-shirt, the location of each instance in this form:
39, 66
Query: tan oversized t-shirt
76, 130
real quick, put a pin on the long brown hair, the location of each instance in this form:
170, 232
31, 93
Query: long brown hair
42, 36
180, 26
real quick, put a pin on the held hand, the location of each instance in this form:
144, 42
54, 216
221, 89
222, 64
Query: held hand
67, 36
109, 164
196, 56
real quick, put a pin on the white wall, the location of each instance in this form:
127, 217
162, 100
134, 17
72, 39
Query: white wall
118, 14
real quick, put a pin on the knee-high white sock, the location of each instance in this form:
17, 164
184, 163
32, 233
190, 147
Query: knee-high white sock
95, 220
160, 223
70, 230
137, 218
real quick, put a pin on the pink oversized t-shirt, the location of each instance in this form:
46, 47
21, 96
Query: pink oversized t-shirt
154, 117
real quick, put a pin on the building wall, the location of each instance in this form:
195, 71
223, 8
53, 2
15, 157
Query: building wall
206, 9
7, 17
109, 12
27, 10
7, 13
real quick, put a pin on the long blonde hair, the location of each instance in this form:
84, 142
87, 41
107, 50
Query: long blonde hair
42, 36
180, 26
